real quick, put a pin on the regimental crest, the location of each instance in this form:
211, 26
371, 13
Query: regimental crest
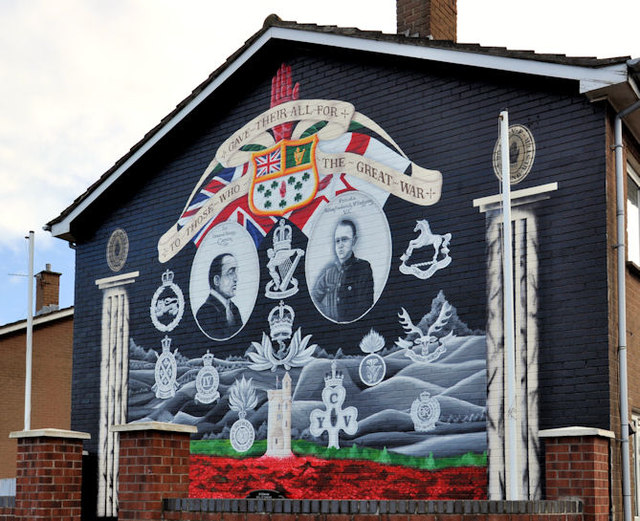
285, 177
283, 261
372, 366
242, 398
334, 418
297, 354
166, 370
167, 304
425, 412
207, 381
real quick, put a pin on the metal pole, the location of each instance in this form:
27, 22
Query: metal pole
513, 492
29, 350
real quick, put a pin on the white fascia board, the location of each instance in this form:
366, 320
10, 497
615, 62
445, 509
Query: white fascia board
590, 79
37, 321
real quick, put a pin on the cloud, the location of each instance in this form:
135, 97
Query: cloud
85, 80
571, 27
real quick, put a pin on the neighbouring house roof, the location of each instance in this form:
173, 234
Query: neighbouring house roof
610, 78
39, 320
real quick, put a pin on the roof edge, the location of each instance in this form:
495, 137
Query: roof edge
40, 320
593, 74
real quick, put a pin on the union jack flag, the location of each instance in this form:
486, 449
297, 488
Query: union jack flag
268, 163
237, 210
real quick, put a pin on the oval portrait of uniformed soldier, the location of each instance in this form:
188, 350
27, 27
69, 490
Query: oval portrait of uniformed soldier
224, 281
348, 257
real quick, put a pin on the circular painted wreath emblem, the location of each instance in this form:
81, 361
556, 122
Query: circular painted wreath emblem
117, 249
522, 152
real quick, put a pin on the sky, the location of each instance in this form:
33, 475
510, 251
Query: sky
83, 80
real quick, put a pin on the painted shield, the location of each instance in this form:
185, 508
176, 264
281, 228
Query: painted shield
285, 177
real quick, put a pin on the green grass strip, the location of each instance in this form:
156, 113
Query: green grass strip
307, 448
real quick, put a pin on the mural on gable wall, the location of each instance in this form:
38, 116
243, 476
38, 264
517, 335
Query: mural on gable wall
289, 221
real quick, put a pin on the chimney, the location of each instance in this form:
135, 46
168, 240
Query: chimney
433, 19
47, 290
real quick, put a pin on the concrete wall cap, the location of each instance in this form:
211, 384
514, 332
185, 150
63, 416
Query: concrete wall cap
154, 426
50, 433
566, 432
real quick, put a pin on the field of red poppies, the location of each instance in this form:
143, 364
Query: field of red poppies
305, 477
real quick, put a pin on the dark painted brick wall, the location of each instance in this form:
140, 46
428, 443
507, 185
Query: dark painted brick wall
444, 118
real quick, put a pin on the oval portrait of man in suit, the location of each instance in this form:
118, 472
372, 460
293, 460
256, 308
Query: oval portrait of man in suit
224, 281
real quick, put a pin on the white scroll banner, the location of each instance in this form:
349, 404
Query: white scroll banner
422, 187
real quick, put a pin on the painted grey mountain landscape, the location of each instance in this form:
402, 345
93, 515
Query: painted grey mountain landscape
387, 412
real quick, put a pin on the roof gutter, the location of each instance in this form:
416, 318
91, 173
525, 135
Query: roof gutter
634, 65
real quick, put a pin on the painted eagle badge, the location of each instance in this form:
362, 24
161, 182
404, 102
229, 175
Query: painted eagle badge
285, 177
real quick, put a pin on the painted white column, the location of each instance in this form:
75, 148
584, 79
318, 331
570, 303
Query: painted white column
525, 255
114, 368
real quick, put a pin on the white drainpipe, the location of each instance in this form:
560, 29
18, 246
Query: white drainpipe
622, 311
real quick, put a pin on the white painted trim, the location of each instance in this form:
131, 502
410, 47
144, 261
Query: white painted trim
50, 433
37, 321
590, 78
117, 280
154, 426
566, 432
526, 195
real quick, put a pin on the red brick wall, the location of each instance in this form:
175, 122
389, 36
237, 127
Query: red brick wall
49, 479
632, 281
577, 467
153, 465
436, 18
51, 387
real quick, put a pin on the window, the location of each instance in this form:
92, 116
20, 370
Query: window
633, 216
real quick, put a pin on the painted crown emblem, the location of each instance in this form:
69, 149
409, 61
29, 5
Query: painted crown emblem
335, 378
281, 321
282, 236
166, 344
207, 359
167, 278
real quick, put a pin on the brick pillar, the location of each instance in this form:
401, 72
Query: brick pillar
154, 464
577, 466
49, 474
